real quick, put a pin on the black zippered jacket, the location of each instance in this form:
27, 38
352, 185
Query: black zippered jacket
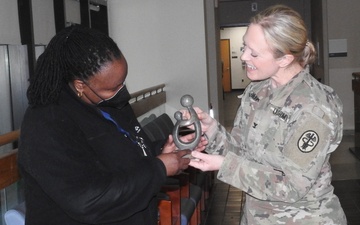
79, 169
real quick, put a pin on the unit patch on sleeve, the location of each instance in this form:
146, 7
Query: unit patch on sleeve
308, 141
310, 136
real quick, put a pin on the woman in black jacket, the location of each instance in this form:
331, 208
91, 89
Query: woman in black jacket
82, 152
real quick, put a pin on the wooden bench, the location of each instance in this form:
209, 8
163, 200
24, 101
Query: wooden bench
9, 173
8, 169
8, 164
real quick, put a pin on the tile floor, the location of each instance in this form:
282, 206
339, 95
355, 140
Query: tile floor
225, 201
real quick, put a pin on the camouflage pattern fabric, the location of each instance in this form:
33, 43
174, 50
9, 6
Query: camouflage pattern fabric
278, 152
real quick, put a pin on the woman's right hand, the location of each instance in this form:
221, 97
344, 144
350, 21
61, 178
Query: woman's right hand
206, 162
175, 161
207, 122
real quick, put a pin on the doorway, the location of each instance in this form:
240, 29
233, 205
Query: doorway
225, 64
237, 73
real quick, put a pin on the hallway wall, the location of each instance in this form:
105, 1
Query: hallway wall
343, 22
164, 41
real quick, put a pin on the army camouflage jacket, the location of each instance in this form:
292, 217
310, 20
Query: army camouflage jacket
278, 152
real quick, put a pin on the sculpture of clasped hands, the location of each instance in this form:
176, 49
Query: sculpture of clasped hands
187, 101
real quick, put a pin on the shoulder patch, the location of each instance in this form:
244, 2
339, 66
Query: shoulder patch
308, 141
310, 137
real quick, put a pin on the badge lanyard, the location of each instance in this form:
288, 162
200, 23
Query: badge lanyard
139, 140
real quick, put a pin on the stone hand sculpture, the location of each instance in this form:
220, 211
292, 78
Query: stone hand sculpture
187, 101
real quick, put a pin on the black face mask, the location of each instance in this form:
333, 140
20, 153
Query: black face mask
119, 100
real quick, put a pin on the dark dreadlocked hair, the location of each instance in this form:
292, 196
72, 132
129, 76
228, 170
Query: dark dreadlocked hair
74, 53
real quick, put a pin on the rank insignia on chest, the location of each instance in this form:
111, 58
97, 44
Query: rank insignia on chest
254, 97
308, 141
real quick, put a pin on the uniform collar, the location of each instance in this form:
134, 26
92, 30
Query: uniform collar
279, 95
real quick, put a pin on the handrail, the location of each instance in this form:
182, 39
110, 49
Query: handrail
147, 99
147, 92
9, 137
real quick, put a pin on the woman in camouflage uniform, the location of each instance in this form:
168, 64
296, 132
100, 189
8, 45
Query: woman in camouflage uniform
285, 129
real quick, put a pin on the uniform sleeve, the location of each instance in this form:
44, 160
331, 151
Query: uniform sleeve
79, 183
289, 174
221, 141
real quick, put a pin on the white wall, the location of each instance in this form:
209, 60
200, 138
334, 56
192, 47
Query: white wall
239, 80
163, 42
340, 81
43, 21
344, 23
72, 11
9, 22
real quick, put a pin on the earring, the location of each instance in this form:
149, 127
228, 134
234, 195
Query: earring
79, 94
